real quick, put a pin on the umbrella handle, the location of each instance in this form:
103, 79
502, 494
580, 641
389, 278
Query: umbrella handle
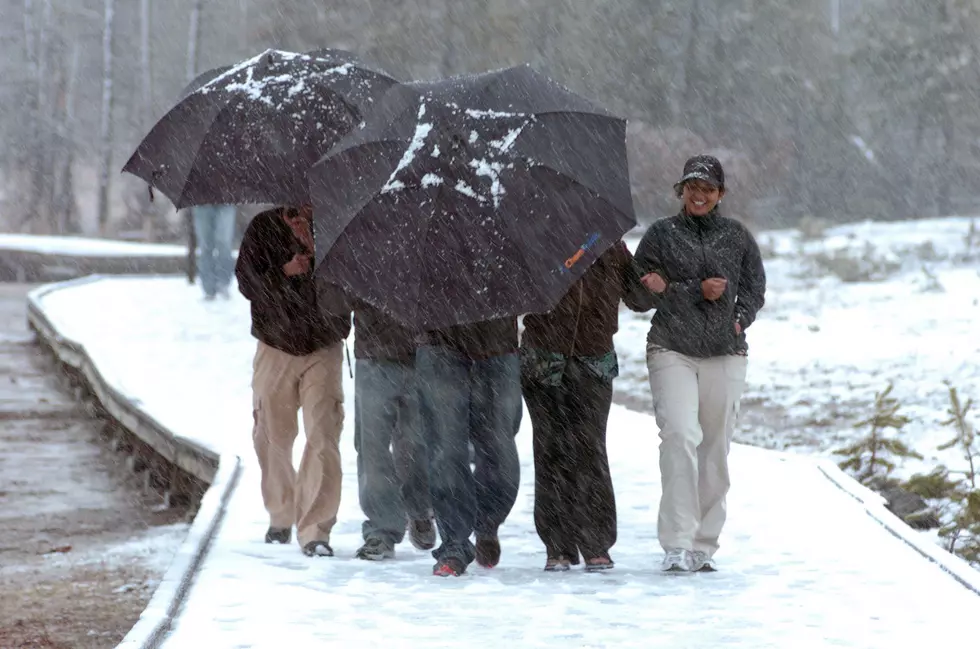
156, 173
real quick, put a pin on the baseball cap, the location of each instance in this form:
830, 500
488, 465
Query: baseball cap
703, 167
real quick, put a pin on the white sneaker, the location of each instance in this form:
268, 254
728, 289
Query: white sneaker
677, 560
701, 562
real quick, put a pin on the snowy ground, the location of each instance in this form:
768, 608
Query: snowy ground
822, 347
803, 565
87, 247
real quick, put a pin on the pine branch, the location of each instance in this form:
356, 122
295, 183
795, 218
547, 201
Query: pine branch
933, 485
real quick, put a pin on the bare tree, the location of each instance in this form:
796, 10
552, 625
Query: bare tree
243, 34
41, 186
64, 197
105, 126
193, 38
146, 72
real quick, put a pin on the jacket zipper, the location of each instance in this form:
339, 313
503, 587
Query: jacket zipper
704, 260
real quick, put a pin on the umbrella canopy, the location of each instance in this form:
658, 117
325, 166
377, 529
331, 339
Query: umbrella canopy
248, 133
471, 198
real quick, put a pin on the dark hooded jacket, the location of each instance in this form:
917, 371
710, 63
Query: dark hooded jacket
685, 250
292, 314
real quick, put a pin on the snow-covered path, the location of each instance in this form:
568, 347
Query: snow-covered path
803, 564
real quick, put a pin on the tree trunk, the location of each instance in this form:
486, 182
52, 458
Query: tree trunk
26, 157
193, 38
692, 78
42, 193
65, 193
150, 213
243, 34
29, 51
146, 74
947, 167
105, 126
918, 202
449, 57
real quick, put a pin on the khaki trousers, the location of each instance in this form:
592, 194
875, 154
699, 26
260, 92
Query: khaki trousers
281, 385
696, 401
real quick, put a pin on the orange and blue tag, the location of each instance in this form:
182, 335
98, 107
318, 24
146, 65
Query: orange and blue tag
584, 248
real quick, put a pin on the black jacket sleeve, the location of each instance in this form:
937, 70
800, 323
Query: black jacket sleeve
636, 296
649, 259
751, 283
257, 272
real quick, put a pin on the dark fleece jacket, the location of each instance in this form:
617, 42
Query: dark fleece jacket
685, 250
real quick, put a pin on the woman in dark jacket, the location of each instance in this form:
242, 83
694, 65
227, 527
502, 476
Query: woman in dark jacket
568, 363
708, 282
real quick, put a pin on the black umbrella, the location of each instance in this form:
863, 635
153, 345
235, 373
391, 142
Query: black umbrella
471, 198
248, 133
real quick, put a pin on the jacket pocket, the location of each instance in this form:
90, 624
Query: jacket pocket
604, 368
542, 367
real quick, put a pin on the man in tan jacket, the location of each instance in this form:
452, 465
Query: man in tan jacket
298, 364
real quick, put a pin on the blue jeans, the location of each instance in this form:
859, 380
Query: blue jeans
393, 482
214, 226
465, 400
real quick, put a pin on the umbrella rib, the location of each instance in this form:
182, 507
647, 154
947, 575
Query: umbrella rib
576, 112
598, 197
337, 95
372, 196
197, 155
578, 182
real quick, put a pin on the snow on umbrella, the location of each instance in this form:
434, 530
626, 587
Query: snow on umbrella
248, 133
471, 198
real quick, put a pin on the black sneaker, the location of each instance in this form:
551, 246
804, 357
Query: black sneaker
375, 550
279, 535
318, 549
422, 534
487, 551
449, 567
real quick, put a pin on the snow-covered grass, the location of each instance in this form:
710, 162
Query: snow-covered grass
803, 563
87, 247
152, 549
822, 347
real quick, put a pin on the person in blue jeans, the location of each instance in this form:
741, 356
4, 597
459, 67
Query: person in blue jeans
392, 466
214, 227
470, 390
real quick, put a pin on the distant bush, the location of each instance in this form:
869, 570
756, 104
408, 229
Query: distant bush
849, 265
812, 228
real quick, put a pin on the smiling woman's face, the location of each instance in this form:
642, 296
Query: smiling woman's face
700, 197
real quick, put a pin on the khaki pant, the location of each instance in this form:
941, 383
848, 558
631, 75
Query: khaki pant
696, 402
281, 385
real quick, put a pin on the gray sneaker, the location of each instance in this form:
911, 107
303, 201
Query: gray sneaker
701, 562
678, 560
375, 550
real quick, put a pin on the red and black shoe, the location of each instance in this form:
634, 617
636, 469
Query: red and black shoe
599, 563
449, 567
561, 563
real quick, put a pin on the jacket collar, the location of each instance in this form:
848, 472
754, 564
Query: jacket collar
700, 223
